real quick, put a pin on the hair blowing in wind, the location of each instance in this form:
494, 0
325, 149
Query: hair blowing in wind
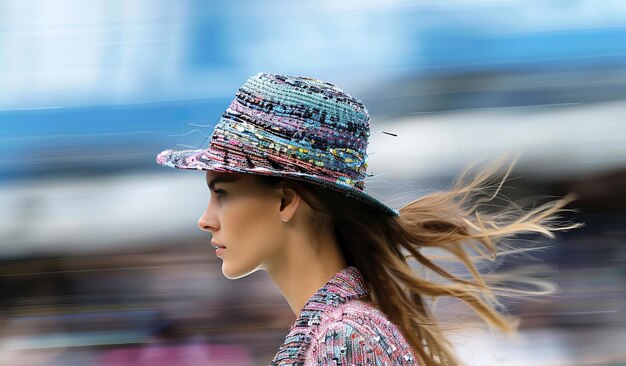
394, 253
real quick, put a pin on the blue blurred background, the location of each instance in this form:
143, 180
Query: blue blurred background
101, 260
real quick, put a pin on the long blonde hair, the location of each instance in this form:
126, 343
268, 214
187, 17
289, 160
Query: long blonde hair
389, 251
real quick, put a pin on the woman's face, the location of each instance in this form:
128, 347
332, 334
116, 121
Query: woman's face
244, 219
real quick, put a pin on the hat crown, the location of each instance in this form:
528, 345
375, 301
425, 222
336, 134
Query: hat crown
299, 124
289, 126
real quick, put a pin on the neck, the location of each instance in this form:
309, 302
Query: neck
305, 267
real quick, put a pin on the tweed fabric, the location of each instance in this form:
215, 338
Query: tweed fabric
291, 126
335, 327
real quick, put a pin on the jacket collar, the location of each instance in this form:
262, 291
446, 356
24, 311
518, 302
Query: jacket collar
345, 285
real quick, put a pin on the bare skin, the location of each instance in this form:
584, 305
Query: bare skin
269, 228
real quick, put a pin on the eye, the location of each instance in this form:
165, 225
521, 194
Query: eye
219, 193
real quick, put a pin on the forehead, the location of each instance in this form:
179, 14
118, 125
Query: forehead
213, 178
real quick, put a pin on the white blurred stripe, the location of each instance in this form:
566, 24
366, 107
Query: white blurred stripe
564, 141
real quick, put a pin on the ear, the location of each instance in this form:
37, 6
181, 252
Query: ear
289, 202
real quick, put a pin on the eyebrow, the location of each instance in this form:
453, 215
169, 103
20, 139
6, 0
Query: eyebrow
221, 179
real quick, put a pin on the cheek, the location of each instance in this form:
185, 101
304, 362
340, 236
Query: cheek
249, 225
252, 235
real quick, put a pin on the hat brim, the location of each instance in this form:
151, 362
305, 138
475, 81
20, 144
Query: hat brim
189, 160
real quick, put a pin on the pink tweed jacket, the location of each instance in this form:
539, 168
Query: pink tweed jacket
336, 328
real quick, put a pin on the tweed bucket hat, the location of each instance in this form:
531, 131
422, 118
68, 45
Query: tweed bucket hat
289, 126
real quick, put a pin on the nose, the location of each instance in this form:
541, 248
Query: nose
208, 221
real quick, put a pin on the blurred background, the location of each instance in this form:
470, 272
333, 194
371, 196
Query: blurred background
101, 260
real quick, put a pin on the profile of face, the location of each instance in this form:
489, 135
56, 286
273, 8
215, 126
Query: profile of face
245, 218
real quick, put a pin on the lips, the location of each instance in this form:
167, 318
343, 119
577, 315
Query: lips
217, 245
219, 248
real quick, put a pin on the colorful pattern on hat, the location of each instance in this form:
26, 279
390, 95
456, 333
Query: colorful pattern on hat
291, 126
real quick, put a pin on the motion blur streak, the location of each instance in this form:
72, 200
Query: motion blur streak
102, 261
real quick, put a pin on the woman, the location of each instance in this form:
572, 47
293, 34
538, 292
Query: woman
286, 165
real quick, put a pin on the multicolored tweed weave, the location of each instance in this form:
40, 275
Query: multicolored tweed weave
290, 126
336, 328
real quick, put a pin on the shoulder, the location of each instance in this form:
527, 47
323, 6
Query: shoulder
358, 333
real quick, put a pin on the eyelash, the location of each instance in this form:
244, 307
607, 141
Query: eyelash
219, 192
